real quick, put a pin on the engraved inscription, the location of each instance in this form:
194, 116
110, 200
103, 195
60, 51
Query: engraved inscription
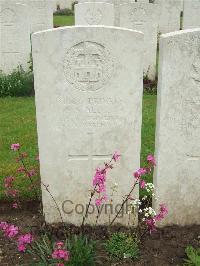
138, 16
93, 112
88, 66
93, 16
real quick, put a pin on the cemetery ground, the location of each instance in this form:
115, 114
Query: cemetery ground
18, 124
166, 246
63, 20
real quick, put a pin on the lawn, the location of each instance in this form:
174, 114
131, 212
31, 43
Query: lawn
63, 20
18, 125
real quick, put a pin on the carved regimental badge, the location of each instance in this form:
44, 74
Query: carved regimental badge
93, 16
88, 66
138, 16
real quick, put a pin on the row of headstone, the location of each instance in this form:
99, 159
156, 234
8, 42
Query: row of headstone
135, 16
168, 11
18, 20
93, 79
150, 18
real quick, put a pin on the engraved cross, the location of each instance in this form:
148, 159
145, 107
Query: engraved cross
91, 157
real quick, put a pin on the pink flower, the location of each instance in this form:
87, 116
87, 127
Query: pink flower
60, 254
11, 231
116, 156
12, 192
140, 172
21, 169
8, 181
25, 239
59, 244
60, 264
99, 179
21, 248
162, 213
101, 200
142, 184
98, 202
151, 160
15, 147
15, 205
3, 225
30, 173
151, 224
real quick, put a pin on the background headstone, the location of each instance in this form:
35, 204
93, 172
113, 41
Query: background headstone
93, 79
143, 17
41, 15
169, 15
191, 14
15, 46
177, 175
94, 14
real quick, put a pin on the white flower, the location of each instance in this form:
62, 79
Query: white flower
149, 212
136, 203
144, 198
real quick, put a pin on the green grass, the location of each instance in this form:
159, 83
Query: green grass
148, 128
63, 20
18, 125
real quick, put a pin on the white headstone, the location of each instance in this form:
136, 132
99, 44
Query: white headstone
143, 17
177, 175
41, 15
15, 47
88, 83
116, 4
169, 15
191, 14
94, 14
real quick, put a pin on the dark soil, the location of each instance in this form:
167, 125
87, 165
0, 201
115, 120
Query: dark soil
164, 247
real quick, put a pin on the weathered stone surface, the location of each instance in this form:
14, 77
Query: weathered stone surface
41, 15
88, 83
177, 178
143, 17
191, 14
169, 15
15, 44
116, 4
94, 14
